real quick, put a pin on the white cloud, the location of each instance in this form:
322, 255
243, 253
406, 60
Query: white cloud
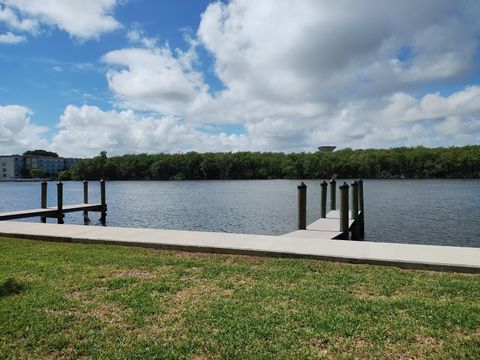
154, 79
8, 17
319, 51
81, 19
87, 130
9, 38
136, 36
17, 133
295, 76
401, 120
403, 107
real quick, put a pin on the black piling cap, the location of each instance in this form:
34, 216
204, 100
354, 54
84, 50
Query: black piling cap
324, 183
344, 185
354, 183
302, 186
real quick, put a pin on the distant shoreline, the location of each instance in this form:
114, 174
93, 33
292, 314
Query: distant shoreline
198, 180
23, 180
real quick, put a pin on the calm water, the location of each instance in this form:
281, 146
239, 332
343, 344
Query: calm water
443, 212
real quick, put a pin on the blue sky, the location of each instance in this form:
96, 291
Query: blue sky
166, 76
50, 71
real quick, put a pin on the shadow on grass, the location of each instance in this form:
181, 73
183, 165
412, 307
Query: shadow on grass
11, 286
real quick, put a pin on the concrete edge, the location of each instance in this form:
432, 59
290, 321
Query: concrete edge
249, 252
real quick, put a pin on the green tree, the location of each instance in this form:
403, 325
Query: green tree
418, 162
37, 173
41, 153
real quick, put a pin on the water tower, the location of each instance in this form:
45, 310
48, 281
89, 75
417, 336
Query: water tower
326, 148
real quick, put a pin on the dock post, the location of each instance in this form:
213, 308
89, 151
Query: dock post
103, 201
302, 206
59, 202
86, 220
333, 195
355, 217
361, 208
344, 210
323, 199
43, 219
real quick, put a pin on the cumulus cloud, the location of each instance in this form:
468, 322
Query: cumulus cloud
321, 51
293, 76
87, 130
154, 79
403, 107
11, 20
297, 75
402, 120
397, 120
9, 38
136, 36
81, 19
17, 133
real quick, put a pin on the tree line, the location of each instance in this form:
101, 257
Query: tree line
413, 163
41, 153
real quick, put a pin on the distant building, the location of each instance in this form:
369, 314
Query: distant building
326, 148
11, 166
18, 166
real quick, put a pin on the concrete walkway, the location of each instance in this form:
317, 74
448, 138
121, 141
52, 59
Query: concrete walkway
402, 255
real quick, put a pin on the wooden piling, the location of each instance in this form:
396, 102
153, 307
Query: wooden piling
344, 210
103, 202
361, 208
355, 217
360, 195
43, 204
302, 206
60, 202
333, 195
323, 199
86, 220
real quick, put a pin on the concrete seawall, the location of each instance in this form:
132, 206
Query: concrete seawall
445, 258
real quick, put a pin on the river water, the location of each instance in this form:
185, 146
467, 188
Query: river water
441, 212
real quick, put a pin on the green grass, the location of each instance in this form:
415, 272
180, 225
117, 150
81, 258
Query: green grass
61, 300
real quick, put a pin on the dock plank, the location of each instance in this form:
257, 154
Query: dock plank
327, 224
321, 235
335, 214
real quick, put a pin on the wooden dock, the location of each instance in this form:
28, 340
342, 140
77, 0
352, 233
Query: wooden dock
52, 212
343, 224
60, 210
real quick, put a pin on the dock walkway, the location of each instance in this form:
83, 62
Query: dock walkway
48, 212
324, 228
402, 255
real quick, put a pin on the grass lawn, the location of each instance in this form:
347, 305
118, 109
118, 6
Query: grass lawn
61, 300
